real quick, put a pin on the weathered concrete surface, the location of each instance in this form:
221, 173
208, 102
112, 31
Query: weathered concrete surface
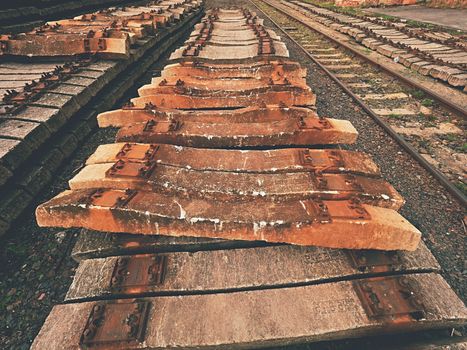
288, 160
260, 318
309, 131
223, 86
95, 244
261, 68
232, 85
337, 224
237, 269
251, 114
33, 134
66, 45
202, 99
154, 177
230, 52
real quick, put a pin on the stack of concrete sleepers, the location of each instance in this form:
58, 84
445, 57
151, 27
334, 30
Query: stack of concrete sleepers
21, 15
50, 106
228, 217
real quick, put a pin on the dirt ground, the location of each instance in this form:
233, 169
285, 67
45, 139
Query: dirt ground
36, 268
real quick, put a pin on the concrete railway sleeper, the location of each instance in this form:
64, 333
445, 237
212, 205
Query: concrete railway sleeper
182, 272
178, 261
288, 160
43, 121
260, 113
301, 132
150, 176
307, 313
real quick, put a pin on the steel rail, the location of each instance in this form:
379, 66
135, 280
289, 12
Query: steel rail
450, 187
461, 111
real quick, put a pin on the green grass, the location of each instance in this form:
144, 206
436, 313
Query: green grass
418, 24
5, 301
451, 137
385, 17
18, 250
427, 102
331, 6
461, 186
419, 94
428, 117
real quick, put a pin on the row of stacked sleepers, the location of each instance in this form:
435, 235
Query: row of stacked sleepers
297, 240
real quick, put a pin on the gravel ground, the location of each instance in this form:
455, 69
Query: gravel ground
428, 206
36, 268
430, 128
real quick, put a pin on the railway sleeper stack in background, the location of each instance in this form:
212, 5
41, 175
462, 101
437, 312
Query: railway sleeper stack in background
17, 15
57, 78
439, 55
216, 153
20, 15
108, 33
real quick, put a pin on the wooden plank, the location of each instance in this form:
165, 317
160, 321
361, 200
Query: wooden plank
334, 224
271, 317
218, 185
327, 161
232, 270
309, 131
252, 114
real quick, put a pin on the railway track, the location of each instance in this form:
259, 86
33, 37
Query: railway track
413, 74
439, 55
213, 157
430, 129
